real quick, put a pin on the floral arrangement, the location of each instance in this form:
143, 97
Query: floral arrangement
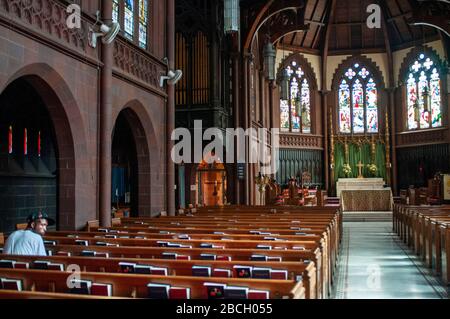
347, 169
372, 168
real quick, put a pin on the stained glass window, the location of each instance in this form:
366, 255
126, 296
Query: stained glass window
423, 94
358, 101
344, 108
372, 107
129, 18
115, 14
306, 107
295, 113
143, 17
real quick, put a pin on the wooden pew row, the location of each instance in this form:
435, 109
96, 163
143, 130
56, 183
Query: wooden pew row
135, 286
425, 229
322, 280
181, 267
13, 294
329, 247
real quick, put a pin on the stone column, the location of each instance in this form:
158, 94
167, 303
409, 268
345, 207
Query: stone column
105, 132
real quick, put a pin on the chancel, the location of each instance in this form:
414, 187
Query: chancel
322, 156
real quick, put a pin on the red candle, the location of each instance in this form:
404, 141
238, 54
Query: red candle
39, 144
25, 143
10, 141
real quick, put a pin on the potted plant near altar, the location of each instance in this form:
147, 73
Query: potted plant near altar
373, 169
347, 170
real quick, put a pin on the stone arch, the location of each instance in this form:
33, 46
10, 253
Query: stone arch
70, 140
146, 150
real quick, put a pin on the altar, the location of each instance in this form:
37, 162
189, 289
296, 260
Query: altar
379, 200
364, 194
358, 184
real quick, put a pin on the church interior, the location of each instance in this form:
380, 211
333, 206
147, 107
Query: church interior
226, 149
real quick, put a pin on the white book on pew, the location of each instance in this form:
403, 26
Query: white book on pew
73, 236
274, 258
186, 246
219, 233
184, 236
41, 264
7, 263
158, 291
298, 248
98, 237
81, 242
56, 266
267, 247
236, 292
111, 236
140, 237
50, 242
102, 230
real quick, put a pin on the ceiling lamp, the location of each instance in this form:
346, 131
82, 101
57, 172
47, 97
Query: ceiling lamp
284, 85
269, 54
231, 16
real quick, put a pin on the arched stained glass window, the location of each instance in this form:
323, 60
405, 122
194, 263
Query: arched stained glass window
129, 18
115, 14
358, 102
132, 15
143, 14
295, 113
423, 90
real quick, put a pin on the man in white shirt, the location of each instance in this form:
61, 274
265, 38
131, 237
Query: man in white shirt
29, 242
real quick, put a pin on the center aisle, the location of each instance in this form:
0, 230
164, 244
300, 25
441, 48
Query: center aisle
375, 264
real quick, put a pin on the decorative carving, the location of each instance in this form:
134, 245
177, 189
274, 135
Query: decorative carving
301, 141
131, 60
47, 17
422, 137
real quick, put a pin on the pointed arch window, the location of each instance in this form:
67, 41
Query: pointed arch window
295, 113
358, 101
423, 94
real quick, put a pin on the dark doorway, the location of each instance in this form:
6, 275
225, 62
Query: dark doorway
124, 167
28, 156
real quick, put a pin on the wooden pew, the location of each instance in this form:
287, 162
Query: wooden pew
135, 286
181, 267
13, 294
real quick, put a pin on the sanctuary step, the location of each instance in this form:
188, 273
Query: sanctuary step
367, 216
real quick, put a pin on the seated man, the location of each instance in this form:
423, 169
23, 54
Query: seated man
29, 242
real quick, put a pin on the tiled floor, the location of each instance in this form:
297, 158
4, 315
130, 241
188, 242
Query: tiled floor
374, 264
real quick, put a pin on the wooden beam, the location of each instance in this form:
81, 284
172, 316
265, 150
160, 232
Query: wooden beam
294, 48
357, 51
394, 18
331, 12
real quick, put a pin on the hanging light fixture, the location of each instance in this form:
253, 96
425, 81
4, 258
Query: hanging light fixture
231, 16
269, 54
284, 85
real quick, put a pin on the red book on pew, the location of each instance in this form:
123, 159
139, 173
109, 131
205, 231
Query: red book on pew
278, 274
21, 265
258, 294
223, 258
220, 272
179, 293
101, 290
183, 257
160, 271
11, 284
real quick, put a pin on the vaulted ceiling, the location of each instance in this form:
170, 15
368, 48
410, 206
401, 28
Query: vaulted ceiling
347, 23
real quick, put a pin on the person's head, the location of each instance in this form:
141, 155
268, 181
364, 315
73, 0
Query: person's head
39, 222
